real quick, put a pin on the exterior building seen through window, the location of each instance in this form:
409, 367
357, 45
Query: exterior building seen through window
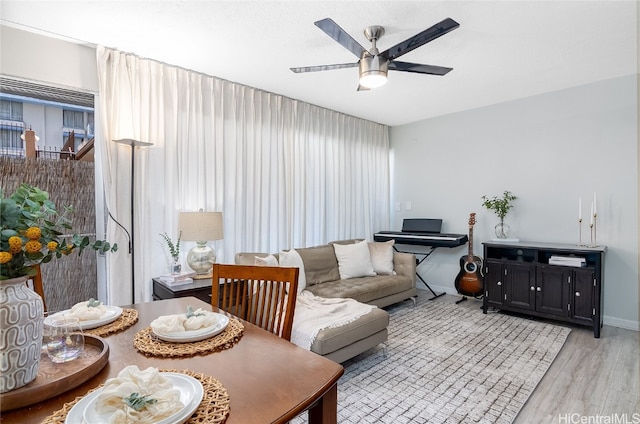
62, 130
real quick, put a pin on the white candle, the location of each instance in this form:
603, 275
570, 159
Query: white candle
595, 206
591, 222
580, 208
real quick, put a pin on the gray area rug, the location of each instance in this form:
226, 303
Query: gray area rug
448, 363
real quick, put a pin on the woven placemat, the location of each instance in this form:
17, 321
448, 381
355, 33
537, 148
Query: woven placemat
149, 344
214, 407
126, 320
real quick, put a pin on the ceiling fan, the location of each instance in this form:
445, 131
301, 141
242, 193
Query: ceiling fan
373, 64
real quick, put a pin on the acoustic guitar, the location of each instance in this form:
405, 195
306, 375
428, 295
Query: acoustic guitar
469, 279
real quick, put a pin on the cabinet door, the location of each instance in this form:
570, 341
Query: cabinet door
519, 286
583, 304
553, 285
493, 273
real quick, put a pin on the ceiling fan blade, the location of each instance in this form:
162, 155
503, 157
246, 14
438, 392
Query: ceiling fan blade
341, 36
420, 39
323, 67
418, 68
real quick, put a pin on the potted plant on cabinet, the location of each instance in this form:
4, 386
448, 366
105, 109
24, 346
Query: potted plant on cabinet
500, 206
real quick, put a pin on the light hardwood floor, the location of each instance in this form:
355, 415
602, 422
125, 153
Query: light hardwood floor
591, 379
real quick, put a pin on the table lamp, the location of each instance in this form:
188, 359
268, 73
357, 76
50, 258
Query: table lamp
201, 227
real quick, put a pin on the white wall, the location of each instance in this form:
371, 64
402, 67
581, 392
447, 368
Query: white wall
34, 57
548, 150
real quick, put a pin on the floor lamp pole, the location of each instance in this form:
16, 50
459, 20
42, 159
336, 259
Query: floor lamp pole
133, 144
133, 232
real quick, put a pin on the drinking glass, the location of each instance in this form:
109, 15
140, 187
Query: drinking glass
63, 338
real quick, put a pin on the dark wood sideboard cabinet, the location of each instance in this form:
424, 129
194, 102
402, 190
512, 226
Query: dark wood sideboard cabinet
519, 278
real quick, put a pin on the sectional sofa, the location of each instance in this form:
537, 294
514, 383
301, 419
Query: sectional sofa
369, 272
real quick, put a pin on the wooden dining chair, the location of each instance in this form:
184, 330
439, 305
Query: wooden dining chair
262, 295
37, 285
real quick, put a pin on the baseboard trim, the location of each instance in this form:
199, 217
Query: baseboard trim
621, 323
607, 320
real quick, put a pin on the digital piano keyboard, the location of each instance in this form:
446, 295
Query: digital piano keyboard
422, 232
422, 239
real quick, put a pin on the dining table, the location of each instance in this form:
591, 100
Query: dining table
268, 379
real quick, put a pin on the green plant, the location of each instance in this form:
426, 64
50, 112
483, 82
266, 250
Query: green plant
31, 232
174, 249
500, 206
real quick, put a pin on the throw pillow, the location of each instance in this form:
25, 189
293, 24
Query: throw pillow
354, 260
293, 259
268, 260
382, 257
320, 264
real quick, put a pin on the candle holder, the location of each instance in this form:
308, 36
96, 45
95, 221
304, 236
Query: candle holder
594, 242
579, 231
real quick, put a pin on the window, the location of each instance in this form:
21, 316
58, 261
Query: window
89, 127
10, 137
11, 111
73, 119
11, 126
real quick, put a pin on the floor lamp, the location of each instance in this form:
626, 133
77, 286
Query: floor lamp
134, 144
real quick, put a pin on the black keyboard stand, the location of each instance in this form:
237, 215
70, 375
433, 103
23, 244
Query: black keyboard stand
424, 255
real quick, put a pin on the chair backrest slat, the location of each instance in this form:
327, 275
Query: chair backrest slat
262, 295
37, 285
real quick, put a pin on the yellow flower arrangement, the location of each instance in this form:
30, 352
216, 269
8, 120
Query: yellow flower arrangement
31, 232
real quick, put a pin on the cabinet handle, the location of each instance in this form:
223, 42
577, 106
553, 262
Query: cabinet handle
539, 288
577, 294
499, 283
533, 288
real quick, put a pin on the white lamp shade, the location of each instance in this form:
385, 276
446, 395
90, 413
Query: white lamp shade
200, 226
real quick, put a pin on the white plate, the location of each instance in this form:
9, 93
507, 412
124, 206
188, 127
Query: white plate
195, 335
191, 393
111, 314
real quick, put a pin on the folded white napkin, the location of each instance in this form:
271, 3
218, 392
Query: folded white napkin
87, 311
157, 399
192, 320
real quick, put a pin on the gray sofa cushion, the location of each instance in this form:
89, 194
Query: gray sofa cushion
249, 258
332, 339
320, 264
376, 287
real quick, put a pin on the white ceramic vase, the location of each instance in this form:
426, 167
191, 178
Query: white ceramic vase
21, 319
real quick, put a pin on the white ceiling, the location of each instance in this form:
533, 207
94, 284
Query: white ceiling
503, 50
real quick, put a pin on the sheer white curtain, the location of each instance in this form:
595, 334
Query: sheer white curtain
283, 172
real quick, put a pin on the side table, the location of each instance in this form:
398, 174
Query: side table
199, 288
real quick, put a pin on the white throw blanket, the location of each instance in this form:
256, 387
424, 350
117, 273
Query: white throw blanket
314, 313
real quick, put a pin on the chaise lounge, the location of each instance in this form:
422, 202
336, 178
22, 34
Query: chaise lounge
343, 272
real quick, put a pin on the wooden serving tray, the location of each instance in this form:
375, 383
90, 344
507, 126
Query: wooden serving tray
54, 379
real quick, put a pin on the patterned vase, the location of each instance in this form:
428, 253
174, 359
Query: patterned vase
21, 318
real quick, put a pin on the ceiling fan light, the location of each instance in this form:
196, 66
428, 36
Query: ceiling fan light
373, 79
373, 72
